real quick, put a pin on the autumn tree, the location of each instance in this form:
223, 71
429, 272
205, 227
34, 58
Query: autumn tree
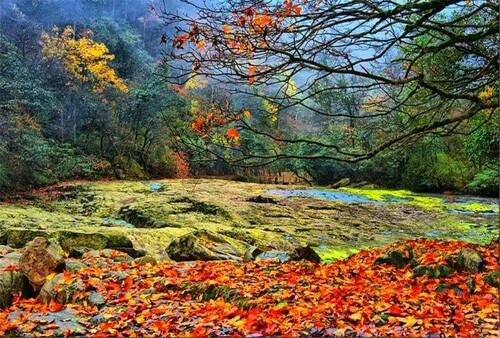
414, 68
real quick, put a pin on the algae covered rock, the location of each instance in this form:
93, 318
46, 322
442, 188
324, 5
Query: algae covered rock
469, 260
39, 259
492, 278
146, 260
398, 258
432, 271
251, 253
12, 279
203, 245
340, 184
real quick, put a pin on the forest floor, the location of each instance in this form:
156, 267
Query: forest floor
392, 262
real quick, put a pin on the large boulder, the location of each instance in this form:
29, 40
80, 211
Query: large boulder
12, 279
203, 245
40, 258
342, 183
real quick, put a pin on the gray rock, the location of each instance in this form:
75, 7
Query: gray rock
73, 265
96, 298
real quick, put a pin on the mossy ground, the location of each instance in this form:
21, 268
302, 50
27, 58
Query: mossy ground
149, 214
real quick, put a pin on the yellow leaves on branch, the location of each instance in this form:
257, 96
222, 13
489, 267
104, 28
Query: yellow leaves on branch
487, 93
83, 58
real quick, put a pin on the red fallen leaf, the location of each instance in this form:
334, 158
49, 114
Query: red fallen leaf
55, 307
388, 72
128, 282
395, 310
12, 268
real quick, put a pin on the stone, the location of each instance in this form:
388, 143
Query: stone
342, 183
73, 265
40, 258
11, 280
202, 245
306, 253
96, 298
398, 258
262, 199
492, 278
435, 271
63, 293
146, 260
251, 253
469, 260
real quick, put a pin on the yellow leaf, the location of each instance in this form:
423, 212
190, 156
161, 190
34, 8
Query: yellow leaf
247, 114
356, 316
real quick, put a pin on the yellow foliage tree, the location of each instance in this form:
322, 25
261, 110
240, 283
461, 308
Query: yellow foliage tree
83, 58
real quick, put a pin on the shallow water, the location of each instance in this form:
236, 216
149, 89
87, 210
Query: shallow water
330, 195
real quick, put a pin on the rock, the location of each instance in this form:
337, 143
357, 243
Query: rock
145, 260
435, 271
62, 294
492, 278
306, 253
78, 252
39, 259
58, 323
442, 287
342, 183
202, 245
96, 298
469, 260
358, 184
73, 265
105, 257
398, 258
262, 199
369, 186
251, 253
11, 280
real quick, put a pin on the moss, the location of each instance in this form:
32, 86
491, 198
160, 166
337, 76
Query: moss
329, 255
425, 202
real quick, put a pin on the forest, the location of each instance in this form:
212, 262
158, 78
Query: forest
249, 168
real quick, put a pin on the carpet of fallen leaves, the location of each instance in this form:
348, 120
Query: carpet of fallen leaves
350, 297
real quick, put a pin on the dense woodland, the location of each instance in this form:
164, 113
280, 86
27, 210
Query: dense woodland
86, 93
